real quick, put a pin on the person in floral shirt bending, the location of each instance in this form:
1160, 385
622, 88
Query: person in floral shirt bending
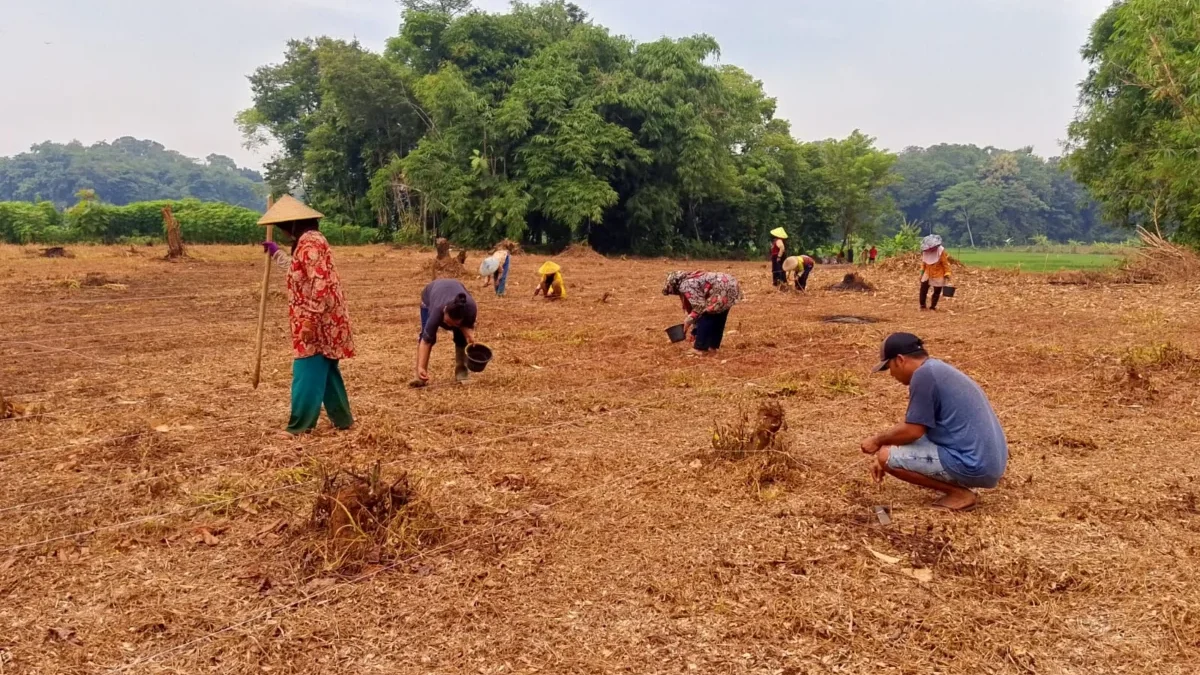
320, 324
707, 298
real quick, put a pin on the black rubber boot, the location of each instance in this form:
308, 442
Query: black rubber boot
460, 365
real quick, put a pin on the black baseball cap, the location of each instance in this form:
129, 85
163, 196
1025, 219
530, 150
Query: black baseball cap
897, 344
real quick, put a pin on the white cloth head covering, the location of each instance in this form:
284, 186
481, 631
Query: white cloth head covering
488, 267
931, 249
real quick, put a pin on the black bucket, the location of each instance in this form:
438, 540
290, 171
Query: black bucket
478, 356
948, 291
677, 333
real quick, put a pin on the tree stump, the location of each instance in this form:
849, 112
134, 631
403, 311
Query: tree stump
174, 236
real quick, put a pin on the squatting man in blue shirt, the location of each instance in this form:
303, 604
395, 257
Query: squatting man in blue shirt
950, 441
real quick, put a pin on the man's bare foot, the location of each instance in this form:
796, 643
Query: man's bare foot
285, 436
959, 500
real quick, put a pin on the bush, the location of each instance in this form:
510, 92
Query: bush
25, 223
349, 235
200, 223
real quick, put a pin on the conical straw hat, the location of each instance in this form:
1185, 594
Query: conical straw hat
287, 209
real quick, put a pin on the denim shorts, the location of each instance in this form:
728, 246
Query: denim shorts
920, 456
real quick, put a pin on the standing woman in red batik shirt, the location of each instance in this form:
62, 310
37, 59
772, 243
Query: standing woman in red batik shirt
317, 313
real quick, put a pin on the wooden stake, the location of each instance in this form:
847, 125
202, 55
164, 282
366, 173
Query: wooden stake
262, 303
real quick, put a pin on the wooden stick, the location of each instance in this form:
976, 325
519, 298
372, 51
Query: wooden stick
262, 305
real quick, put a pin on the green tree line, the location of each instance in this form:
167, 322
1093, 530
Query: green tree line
541, 126
991, 197
538, 125
93, 221
125, 171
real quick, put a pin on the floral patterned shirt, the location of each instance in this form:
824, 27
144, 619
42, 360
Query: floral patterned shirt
316, 306
709, 293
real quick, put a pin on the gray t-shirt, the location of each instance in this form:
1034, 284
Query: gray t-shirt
960, 421
434, 299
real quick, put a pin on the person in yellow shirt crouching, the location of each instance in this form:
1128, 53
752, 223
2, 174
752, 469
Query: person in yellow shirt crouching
551, 284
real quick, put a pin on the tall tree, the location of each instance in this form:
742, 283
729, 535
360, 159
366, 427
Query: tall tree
855, 174
1134, 143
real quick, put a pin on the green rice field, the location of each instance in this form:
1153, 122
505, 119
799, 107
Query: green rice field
1036, 262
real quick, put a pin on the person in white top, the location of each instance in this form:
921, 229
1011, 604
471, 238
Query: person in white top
494, 270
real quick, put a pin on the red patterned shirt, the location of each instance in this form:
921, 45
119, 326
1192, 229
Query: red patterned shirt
709, 293
316, 306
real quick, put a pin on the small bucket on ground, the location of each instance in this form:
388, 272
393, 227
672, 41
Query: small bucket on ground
478, 357
677, 333
948, 291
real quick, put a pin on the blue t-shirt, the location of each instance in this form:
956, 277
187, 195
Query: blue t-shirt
960, 422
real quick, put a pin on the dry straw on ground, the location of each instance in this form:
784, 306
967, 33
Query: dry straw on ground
585, 521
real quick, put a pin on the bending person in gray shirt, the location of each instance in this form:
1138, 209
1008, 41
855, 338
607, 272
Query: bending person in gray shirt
446, 305
950, 441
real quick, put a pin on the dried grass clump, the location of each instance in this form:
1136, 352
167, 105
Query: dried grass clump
367, 520
9, 409
759, 441
910, 262
509, 245
1162, 356
842, 383
1159, 261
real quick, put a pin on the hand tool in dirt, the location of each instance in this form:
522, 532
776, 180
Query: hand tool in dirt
262, 304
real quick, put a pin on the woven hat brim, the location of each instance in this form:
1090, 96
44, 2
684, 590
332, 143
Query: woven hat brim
288, 209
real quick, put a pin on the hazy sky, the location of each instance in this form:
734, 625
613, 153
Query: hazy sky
911, 72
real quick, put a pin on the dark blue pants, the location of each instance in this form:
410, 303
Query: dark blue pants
460, 340
802, 278
778, 276
710, 330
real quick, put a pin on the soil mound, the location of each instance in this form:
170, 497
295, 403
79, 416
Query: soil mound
851, 282
580, 251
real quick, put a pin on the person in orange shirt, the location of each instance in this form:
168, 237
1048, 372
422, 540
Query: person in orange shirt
935, 270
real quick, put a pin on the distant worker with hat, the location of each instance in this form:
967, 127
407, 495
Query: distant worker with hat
935, 269
801, 266
706, 297
778, 254
950, 440
551, 284
320, 324
494, 270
